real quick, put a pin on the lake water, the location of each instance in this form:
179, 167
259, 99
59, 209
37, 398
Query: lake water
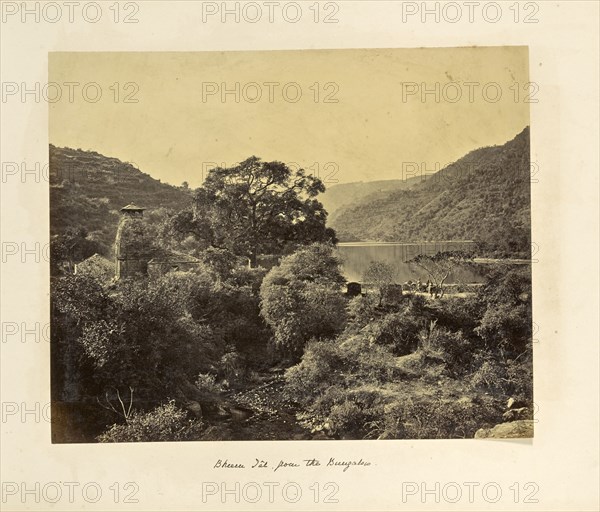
357, 256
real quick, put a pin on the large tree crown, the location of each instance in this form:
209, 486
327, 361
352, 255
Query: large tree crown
258, 207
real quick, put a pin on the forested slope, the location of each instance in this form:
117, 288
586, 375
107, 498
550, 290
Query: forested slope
484, 196
87, 190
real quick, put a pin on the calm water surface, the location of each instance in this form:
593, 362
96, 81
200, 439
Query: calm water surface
357, 256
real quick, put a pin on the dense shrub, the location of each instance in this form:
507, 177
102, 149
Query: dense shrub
458, 313
349, 413
208, 388
399, 331
319, 369
421, 369
301, 299
507, 326
453, 347
507, 320
220, 261
439, 415
165, 423
489, 374
152, 335
346, 362
362, 310
520, 377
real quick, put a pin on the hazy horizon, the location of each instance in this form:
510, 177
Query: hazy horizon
180, 125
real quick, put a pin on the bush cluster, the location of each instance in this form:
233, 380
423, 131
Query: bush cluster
438, 369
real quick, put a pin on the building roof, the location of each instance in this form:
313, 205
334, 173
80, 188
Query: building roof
172, 257
96, 257
94, 261
131, 207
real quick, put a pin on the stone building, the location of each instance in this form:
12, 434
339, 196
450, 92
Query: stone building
137, 255
171, 262
96, 266
131, 255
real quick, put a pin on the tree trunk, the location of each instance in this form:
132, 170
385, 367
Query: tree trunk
442, 286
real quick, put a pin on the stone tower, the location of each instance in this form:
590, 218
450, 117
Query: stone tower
131, 256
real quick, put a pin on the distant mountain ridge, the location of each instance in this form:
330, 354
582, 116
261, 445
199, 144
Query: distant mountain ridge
88, 189
484, 196
337, 198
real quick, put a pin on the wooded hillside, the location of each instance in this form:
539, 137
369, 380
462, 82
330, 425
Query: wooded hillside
484, 196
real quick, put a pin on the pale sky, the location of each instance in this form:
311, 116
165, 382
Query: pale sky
368, 133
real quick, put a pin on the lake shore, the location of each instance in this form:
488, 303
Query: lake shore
430, 242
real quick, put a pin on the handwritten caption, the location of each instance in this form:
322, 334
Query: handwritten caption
290, 464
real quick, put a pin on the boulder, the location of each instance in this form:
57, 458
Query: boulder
522, 413
511, 430
513, 403
195, 408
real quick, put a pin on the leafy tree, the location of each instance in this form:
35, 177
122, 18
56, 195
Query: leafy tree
380, 275
76, 301
136, 238
301, 299
70, 248
220, 261
185, 226
146, 340
257, 207
80, 298
440, 266
507, 320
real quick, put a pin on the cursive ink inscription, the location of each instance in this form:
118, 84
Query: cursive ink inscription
283, 464
344, 465
225, 464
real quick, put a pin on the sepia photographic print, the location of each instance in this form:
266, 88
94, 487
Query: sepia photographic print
291, 245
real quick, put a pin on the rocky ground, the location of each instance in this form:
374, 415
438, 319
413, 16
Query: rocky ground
263, 412
268, 412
